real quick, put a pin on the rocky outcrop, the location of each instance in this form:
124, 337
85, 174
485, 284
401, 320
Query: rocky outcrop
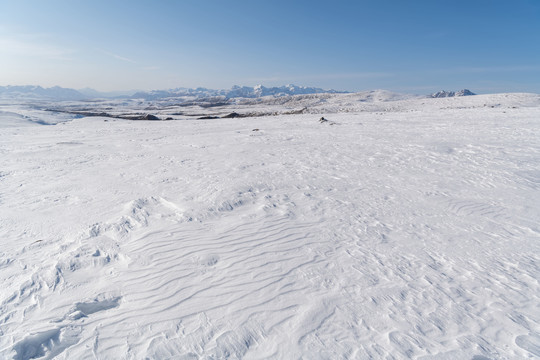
443, 93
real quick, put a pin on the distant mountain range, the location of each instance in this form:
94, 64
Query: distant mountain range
234, 92
60, 93
94, 94
38, 92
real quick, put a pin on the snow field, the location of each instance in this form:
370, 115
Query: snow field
406, 234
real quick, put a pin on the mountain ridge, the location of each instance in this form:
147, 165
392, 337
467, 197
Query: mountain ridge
38, 92
235, 92
61, 93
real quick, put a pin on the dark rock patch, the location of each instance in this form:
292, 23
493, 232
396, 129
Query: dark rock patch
231, 115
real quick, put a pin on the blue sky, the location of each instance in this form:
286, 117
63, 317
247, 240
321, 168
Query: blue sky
414, 46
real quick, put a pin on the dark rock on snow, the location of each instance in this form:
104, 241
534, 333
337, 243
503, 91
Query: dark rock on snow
443, 94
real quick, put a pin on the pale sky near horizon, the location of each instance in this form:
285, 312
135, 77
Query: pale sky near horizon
415, 46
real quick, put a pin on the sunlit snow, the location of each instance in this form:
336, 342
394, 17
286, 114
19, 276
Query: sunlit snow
409, 228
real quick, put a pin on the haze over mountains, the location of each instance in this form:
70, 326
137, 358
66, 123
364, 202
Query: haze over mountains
235, 92
60, 93
32, 91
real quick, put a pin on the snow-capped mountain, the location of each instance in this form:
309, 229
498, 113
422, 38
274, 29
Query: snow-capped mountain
259, 91
234, 92
38, 92
91, 93
443, 93
60, 93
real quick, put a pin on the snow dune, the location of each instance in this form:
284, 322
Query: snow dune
410, 233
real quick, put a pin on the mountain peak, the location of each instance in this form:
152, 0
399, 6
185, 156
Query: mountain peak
443, 93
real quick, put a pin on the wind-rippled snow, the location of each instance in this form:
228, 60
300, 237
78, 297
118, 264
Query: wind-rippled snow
404, 234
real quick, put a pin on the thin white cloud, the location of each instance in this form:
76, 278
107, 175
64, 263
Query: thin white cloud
118, 57
33, 45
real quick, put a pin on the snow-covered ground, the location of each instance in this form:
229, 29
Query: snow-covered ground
408, 229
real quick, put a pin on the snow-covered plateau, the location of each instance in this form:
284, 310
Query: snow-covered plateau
401, 227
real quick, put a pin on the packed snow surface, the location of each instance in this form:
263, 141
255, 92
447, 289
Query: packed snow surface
402, 229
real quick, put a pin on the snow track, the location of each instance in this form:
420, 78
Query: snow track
388, 235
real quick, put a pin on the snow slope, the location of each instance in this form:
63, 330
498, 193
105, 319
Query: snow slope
409, 229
